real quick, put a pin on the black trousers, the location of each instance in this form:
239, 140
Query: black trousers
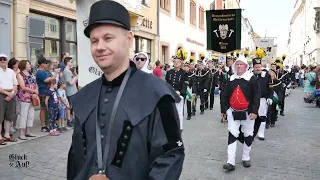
272, 114
282, 102
209, 99
188, 107
202, 102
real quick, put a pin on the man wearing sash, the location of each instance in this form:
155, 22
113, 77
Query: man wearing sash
176, 77
122, 129
190, 91
240, 104
213, 78
264, 80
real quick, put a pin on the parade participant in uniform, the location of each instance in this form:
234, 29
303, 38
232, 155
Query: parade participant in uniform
240, 104
189, 81
284, 77
224, 76
276, 86
122, 129
200, 86
213, 78
177, 77
264, 80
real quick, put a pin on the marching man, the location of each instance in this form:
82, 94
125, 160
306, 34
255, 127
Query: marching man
264, 80
240, 104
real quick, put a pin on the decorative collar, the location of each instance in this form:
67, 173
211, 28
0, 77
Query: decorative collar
118, 80
247, 76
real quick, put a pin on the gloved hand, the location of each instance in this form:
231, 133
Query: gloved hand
205, 90
269, 101
178, 92
284, 85
193, 94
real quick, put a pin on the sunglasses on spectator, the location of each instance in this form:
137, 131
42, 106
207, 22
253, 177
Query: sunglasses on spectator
141, 59
3, 59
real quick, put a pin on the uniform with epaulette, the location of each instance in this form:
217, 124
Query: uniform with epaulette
213, 80
176, 77
200, 86
277, 87
284, 77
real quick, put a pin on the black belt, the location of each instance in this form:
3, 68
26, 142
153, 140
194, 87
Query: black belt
102, 163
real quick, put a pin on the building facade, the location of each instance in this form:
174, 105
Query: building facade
304, 33
183, 25
6, 27
43, 28
146, 36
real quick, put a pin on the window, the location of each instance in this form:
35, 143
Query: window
52, 48
213, 5
143, 45
71, 40
164, 54
180, 8
165, 4
193, 13
201, 18
193, 54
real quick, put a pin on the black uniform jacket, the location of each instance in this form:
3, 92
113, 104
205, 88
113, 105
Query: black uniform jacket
177, 79
200, 81
213, 79
250, 89
265, 81
146, 140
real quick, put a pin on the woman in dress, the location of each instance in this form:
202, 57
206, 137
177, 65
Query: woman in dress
310, 77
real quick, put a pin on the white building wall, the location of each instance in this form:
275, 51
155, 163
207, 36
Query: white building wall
304, 41
246, 35
175, 33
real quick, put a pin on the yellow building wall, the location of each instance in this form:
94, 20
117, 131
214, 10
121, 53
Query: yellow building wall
63, 8
150, 13
21, 9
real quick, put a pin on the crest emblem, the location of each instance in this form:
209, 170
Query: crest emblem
85, 22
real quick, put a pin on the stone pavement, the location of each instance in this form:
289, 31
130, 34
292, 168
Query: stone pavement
291, 150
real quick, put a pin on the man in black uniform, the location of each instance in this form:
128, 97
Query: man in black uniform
176, 77
189, 81
200, 86
264, 80
224, 76
284, 77
122, 129
213, 78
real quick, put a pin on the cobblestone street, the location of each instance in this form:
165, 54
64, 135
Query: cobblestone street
291, 150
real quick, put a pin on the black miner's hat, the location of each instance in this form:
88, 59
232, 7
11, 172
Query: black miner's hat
256, 61
107, 12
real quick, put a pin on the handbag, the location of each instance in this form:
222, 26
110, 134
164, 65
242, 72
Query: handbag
35, 101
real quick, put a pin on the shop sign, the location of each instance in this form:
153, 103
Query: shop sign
195, 42
147, 23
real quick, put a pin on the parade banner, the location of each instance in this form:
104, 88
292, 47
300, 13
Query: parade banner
88, 70
223, 30
267, 45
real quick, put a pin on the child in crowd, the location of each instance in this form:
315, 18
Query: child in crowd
63, 106
52, 104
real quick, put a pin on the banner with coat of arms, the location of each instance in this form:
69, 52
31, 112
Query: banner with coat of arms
224, 30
